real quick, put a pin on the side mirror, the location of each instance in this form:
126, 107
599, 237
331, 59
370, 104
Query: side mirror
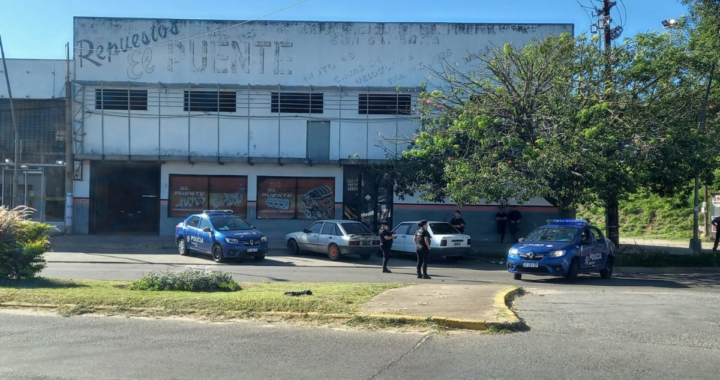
207, 229
521, 239
252, 227
306, 230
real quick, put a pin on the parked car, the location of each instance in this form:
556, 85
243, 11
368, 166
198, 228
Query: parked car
563, 247
221, 234
336, 238
445, 240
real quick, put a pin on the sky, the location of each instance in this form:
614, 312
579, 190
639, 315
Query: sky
39, 29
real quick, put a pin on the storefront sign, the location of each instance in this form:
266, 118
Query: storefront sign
193, 194
296, 198
716, 200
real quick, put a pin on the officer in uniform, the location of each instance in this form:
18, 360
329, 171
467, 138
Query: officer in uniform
422, 244
716, 222
386, 241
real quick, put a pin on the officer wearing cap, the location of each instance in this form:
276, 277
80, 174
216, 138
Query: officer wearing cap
422, 242
386, 241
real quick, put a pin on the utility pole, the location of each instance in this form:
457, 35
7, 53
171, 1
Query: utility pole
16, 161
612, 213
69, 141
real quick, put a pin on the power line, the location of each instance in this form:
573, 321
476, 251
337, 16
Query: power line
223, 28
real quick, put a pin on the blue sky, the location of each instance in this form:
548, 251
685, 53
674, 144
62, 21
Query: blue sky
40, 28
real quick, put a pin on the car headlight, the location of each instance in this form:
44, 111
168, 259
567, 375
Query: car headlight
513, 252
263, 239
232, 241
556, 253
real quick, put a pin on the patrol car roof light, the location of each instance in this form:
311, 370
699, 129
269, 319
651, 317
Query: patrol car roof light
581, 222
217, 212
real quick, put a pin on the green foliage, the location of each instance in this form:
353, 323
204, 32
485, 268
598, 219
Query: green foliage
190, 280
22, 244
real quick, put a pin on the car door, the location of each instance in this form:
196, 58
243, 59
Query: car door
191, 232
601, 248
587, 248
308, 238
401, 243
327, 235
204, 238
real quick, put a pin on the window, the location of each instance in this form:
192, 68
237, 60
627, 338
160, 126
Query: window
315, 228
210, 101
443, 229
598, 236
191, 194
384, 104
403, 229
356, 229
328, 229
295, 198
193, 222
230, 223
115, 99
296, 102
204, 223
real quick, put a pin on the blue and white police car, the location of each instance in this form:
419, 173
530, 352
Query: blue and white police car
221, 234
562, 247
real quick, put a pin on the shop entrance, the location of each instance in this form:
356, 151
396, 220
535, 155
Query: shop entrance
367, 195
40, 187
124, 197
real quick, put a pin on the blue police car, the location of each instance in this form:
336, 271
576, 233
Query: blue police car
563, 247
221, 234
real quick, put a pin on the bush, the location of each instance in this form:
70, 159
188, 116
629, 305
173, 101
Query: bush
22, 244
190, 280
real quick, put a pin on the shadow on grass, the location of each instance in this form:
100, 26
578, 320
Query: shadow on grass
41, 282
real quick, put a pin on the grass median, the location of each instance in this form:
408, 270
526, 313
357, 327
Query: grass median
72, 297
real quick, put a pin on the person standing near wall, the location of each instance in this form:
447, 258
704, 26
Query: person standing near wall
458, 222
386, 241
422, 244
514, 217
501, 218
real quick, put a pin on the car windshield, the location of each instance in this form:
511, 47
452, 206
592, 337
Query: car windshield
443, 229
355, 228
230, 223
553, 234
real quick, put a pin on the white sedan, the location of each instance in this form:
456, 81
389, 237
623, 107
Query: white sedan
445, 240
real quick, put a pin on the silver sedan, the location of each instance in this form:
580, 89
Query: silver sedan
336, 238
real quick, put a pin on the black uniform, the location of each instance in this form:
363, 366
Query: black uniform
386, 245
458, 222
514, 218
501, 224
423, 251
716, 223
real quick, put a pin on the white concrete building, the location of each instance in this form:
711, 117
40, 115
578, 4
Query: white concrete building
267, 118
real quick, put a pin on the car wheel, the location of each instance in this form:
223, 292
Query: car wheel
607, 272
365, 256
293, 247
334, 252
182, 247
572, 273
453, 259
217, 254
259, 258
517, 276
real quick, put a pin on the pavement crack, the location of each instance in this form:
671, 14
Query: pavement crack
392, 363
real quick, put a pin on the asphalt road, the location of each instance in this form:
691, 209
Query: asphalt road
576, 332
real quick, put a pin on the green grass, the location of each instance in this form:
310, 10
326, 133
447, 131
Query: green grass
664, 259
255, 298
649, 216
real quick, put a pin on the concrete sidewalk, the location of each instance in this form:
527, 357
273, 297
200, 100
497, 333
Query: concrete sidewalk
474, 307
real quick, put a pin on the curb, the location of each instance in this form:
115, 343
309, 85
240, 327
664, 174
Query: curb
666, 270
501, 300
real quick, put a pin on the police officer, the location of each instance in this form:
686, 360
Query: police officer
458, 222
716, 222
514, 217
386, 241
422, 244
501, 218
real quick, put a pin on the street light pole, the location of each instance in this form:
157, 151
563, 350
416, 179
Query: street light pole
16, 161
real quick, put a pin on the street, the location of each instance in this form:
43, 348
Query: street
575, 332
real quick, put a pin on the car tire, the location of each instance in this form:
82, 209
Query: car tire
259, 258
607, 272
517, 276
365, 256
293, 247
453, 259
217, 254
573, 271
183, 249
334, 252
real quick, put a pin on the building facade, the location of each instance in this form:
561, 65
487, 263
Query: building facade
270, 119
38, 89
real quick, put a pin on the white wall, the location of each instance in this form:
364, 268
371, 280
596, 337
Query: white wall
35, 78
283, 53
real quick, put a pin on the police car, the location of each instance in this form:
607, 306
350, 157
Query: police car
563, 247
221, 234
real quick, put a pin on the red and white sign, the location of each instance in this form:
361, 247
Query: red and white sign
716, 200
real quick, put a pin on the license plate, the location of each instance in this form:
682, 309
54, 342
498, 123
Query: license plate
530, 265
366, 243
457, 244
252, 249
